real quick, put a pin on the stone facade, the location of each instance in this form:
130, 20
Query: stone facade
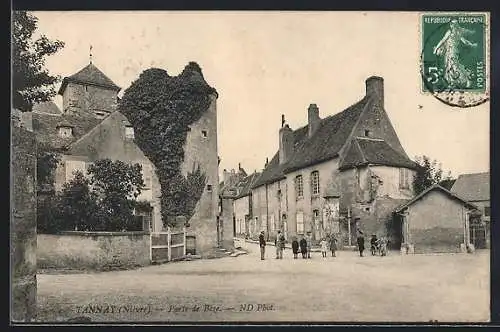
93, 99
426, 231
109, 140
23, 225
355, 154
200, 150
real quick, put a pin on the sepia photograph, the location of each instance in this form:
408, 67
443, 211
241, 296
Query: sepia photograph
250, 167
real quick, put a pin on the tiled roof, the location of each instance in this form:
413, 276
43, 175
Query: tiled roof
45, 127
376, 152
329, 138
89, 75
48, 107
325, 144
473, 187
435, 187
245, 185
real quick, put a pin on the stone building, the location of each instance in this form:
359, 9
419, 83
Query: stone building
475, 188
228, 191
242, 204
90, 127
436, 220
345, 167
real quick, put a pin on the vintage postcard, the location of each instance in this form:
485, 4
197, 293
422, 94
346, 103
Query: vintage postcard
240, 167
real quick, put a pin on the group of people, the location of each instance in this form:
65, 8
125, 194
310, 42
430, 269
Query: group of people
328, 243
304, 246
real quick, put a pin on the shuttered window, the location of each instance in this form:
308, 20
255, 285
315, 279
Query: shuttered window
299, 186
300, 222
315, 183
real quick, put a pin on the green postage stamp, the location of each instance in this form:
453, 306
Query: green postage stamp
455, 57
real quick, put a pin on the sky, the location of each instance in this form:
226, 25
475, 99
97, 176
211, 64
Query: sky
264, 64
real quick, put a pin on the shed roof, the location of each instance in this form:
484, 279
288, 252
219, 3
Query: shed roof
473, 187
431, 188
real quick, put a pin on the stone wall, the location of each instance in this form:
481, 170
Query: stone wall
93, 250
23, 225
89, 98
436, 223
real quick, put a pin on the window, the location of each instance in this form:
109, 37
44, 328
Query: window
299, 186
367, 133
209, 188
300, 222
404, 178
204, 133
315, 183
487, 211
129, 132
86, 88
65, 132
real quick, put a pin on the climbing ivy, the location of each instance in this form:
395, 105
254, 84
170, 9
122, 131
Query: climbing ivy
161, 108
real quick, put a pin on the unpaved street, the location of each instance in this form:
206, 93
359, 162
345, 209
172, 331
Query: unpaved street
449, 288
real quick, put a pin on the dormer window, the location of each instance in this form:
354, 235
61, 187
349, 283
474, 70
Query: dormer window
129, 132
65, 131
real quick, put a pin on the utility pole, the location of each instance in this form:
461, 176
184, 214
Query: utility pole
349, 226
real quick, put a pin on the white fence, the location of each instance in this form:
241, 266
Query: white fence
167, 246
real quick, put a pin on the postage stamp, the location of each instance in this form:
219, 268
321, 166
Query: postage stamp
454, 57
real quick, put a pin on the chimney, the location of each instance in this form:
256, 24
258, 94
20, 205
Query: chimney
282, 120
375, 89
286, 144
267, 162
313, 118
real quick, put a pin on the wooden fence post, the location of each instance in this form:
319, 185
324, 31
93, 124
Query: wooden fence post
151, 246
169, 243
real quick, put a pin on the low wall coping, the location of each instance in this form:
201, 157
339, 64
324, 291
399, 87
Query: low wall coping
84, 233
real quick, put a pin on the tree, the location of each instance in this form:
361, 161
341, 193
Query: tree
31, 82
429, 172
46, 163
161, 109
116, 186
77, 204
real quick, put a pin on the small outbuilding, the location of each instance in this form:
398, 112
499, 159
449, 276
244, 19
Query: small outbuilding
436, 220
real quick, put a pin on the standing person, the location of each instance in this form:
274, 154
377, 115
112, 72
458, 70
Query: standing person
324, 247
309, 244
303, 247
295, 247
360, 241
333, 245
373, 244
280, 245
262, 244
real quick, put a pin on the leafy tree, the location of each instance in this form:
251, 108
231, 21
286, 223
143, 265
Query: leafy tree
116, 186
161, 109
47, 161
77, 204
429, 172
32, 83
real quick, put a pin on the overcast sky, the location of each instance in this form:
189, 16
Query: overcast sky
264, 64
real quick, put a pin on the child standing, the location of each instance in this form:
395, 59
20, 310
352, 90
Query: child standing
324, 247
295, 247
333, 245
